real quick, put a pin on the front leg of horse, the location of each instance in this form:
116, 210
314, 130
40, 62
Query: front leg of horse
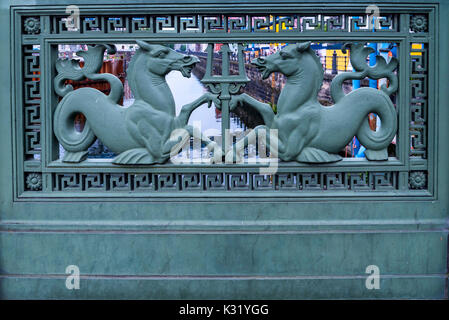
211, 146
186, 110
264, 109
180, 137
273, 144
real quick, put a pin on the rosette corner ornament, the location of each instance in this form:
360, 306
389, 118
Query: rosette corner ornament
32, 25
418, 23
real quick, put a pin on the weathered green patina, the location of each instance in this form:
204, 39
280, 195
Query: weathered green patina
148, 131
140, 226
311, 133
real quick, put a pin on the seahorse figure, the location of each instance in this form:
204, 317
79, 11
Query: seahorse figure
146, 132
312, 133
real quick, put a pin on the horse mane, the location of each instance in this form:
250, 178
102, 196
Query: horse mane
318, 79
130, 71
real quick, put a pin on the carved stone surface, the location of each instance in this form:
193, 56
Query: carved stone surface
309, 132
148, 131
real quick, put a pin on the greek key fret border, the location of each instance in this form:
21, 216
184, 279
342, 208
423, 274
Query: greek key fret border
418, 100
32, 100
232, 182
229, 23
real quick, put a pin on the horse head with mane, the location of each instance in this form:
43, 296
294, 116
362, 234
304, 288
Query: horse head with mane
309, 132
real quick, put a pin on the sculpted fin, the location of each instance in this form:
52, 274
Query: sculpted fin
134, 156
313, 155
75, 157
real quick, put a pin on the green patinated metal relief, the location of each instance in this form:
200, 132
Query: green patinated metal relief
142, 133
309, 132
302, 136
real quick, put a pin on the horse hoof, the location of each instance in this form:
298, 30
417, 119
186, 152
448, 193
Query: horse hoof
218, 157
232, 157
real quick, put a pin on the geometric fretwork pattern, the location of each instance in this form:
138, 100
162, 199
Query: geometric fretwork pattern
207, 23
32, 100
418, 101
287, 25
159, 182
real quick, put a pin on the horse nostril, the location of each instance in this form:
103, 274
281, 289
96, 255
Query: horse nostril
261, 60
187, 58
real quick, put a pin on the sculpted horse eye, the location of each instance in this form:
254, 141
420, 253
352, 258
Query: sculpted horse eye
285, 55
160, 54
